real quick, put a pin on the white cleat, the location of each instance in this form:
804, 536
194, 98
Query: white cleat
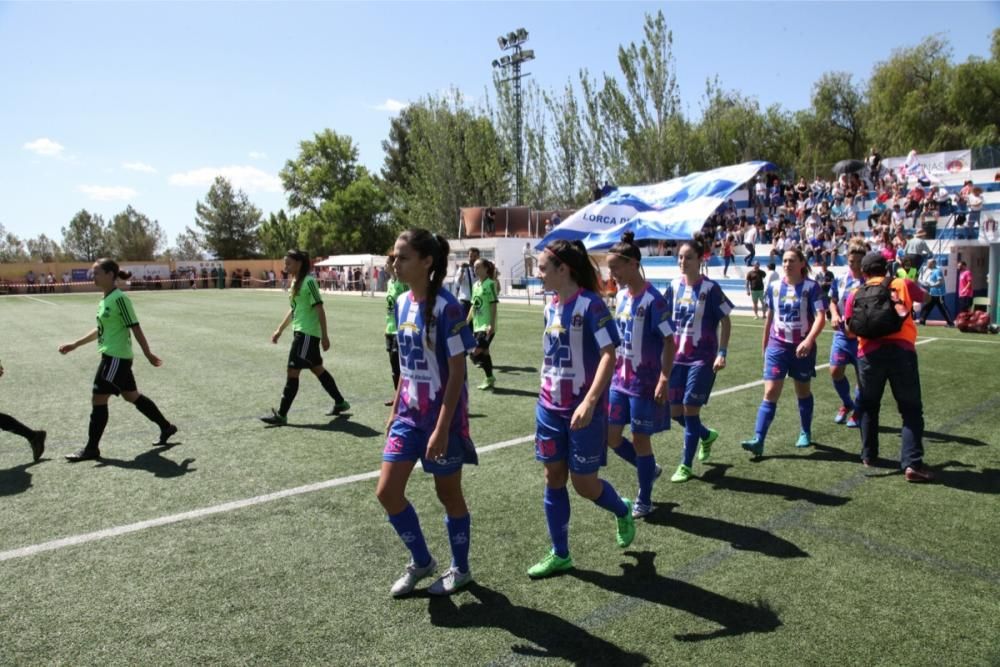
405, 584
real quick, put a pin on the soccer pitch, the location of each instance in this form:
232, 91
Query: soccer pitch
193, 555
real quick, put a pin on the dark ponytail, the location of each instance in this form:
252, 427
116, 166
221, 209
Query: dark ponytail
697, 243
302, 257
574, 255
426, 244
627, 247
111, 266
491, 270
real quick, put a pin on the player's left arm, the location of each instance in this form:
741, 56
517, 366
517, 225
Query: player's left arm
321, 314
140, 338
437, 445
725, 330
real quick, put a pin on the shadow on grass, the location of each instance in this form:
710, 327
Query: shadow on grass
819, 452
17, 479
641, 581
507, 391
985, 481
743, 538
719, 480
152, 461
515, 369
340, 424
554, 636
935, 436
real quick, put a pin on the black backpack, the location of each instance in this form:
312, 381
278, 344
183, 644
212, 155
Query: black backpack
874, 312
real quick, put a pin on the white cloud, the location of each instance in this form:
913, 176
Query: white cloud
242, 177
139, 166
257, 155
391, 105
107, 192
44, 146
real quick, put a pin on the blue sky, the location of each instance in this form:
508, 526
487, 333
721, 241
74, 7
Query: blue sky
109, 104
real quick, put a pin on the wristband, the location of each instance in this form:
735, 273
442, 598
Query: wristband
722, 352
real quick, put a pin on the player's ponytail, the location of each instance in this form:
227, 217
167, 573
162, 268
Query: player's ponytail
435, 246
491, 271
302, 257
698, 245
109, 265
574, 255
628, 249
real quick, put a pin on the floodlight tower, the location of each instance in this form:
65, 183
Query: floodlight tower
513, 41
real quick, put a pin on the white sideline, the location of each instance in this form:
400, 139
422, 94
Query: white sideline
117, 531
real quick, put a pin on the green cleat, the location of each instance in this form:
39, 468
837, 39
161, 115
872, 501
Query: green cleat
550, 565
488, 383
339, 408
754, 445
682, 474
274, 419
705, 447
626, 526
805, 439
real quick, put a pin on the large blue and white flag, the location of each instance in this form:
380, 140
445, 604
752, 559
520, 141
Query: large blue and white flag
672, 210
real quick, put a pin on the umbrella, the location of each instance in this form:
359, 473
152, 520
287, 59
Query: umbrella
848, 167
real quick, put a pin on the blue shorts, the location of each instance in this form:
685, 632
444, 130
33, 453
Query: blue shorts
585, 451
844, 350
780, 360
690, 385
409, 443
644, 415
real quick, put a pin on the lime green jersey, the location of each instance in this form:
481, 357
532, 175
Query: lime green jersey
393, 289
304, 315
115, 319
484, 294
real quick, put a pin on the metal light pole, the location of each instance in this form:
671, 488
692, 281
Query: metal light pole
512, 63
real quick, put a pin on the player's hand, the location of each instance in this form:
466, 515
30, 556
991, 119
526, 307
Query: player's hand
804, 348
154, 360
67, 348
275, 336
325, 342
720, 363
489, 330
660, 394
835, 321
437, 445
581, 416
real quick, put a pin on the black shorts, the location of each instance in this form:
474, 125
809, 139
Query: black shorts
114, 376
391, 344
483, 341
305, 352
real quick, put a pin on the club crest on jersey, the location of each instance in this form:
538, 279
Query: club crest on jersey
409, 326
641, 312
703, 296
578, 320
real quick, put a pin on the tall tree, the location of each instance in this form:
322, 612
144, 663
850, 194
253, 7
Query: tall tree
278, 234
132, 236
12, 248
43, 249
325, 165
838, 107
227, 222
187, 247
85, 238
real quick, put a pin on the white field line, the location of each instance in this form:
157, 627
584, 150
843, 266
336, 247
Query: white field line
47, 303
75, 540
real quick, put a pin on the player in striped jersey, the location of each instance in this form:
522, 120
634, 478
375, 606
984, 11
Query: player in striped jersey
308, 319
35, 438
700, 313
844, 349
116, 324
430, 416
642, 367
796, 313
578, 348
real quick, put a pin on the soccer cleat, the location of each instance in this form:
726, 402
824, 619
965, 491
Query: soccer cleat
274, 419
754, 445
550, 565
854, 420
166, 434
340, 408
641, 509
682, 474
488, 383
705, 446
450, 581
657, 471
804, 440
841, 415
406, 583
37, 443
626, 526
389, 403
919, 474
84, 454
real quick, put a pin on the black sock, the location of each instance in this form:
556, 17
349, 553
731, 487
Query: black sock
394, 364
487, 364
8, 423
291, 389
149, 410
331, 387
98, 420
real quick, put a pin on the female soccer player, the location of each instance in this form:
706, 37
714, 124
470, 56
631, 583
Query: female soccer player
844, 349
796, 313
699, 310
394, 287
116, 324
579, 357
642, 368
35, 438
483, 317
430, 416
308, 319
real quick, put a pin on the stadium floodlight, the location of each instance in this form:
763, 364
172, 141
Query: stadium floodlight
522, 35
502, 41
513, 40
496, 63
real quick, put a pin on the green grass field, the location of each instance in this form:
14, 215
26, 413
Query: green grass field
801, 558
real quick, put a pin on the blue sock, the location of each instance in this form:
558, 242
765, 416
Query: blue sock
843, 387
645, 466
765, 415
625, 450
610, 500
682, 422
857, 397
407, 526
806, 413
557, 517
459, 535
692, 433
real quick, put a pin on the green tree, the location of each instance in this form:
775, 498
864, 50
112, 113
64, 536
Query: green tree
43, 249
187, 247
227, 222
85, 238
12, 248
278, 234
838, 109
132, 236
325, 165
